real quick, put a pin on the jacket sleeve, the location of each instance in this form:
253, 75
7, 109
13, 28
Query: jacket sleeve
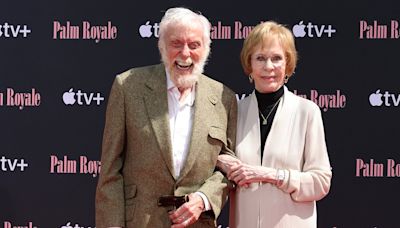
110, 211
313, 182
217, 187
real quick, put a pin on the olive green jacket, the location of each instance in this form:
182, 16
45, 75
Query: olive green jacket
137, 166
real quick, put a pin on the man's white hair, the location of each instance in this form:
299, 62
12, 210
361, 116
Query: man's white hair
180, 16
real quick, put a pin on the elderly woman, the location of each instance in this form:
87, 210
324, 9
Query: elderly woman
282, 166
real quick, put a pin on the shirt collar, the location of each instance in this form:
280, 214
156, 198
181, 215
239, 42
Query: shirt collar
170, 84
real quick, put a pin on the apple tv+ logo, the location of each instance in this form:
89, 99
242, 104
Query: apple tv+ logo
310, 30
11, 164
145, 30
386, 99
81, 98
13, 31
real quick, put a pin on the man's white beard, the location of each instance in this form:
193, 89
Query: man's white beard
187, 80
184, 81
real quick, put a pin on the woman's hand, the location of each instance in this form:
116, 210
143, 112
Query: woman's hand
226, 162
243, 174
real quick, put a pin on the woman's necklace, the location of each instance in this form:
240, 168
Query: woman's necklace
265, 119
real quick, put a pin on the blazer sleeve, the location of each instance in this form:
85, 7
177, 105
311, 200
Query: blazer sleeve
217, 187
110, 210
313, 182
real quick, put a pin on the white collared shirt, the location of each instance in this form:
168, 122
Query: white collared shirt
180, 123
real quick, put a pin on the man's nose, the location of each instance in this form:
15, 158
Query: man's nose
185, 51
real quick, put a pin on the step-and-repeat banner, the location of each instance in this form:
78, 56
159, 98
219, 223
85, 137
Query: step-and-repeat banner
58, 60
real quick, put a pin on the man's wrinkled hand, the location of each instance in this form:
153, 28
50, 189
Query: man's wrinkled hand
188, 213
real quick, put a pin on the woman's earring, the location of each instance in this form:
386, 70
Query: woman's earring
250, 79
286, 79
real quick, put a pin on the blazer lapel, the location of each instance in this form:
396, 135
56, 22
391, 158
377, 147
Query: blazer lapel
203, 109
281, 126
156, 102
248, 145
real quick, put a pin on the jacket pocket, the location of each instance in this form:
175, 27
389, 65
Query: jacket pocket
218, 134
130, 193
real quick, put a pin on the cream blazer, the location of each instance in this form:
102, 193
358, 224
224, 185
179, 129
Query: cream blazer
296, 143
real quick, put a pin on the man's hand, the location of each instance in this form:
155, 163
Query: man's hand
188, 213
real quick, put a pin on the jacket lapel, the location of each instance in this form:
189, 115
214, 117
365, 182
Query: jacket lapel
203, 109
249, 139
156, 102
281, 127
248, 143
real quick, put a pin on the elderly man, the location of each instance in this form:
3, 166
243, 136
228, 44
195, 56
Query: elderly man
165, 126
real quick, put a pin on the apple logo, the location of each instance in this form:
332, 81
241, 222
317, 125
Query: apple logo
299, 30
67, 226
145, 30
375, 99
69, 97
